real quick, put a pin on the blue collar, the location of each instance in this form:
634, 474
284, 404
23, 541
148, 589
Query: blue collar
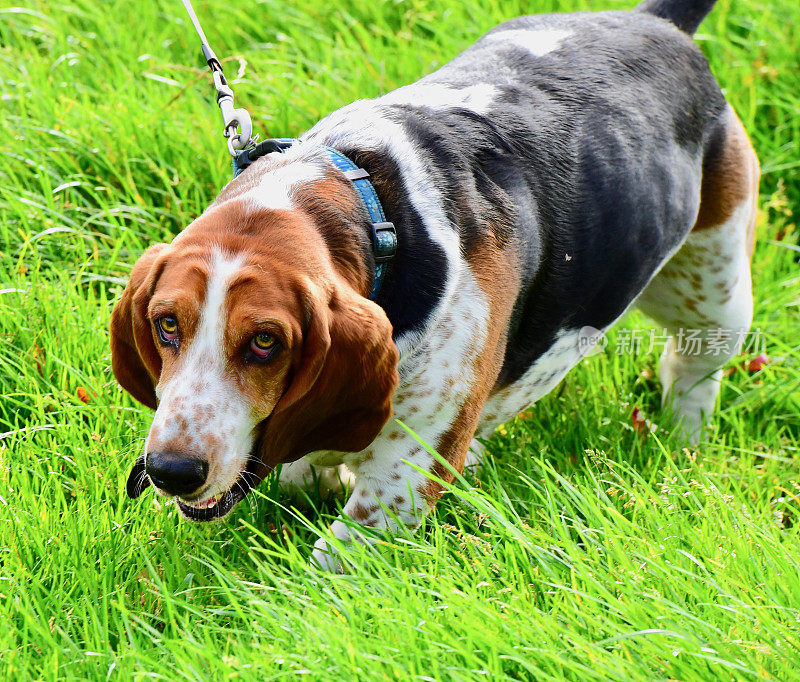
382, 233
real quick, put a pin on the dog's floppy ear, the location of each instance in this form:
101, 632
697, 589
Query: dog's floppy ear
137, 479
134, 357
340, 395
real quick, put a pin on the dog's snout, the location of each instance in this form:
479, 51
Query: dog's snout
174, 473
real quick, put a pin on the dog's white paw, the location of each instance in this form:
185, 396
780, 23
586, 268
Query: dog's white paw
299, 477
326, 557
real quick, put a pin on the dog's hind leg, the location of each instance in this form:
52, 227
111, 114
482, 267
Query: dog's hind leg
702, 296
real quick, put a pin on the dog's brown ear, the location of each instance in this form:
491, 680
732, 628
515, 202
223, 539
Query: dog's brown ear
134, 357
340, 395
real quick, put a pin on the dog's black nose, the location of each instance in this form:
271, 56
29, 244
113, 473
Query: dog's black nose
175, 474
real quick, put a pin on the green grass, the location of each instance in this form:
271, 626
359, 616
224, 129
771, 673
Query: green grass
580, 551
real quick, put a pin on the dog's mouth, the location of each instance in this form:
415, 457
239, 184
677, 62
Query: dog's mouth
208, 507
214, 507
219, 505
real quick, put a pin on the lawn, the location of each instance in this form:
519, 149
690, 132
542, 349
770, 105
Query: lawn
584, 549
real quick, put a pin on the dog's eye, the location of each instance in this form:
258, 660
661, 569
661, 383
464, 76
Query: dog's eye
262, 345
167, 327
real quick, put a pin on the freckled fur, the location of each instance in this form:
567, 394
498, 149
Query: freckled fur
540, 182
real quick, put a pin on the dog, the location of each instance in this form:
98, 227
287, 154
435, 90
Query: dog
557, 172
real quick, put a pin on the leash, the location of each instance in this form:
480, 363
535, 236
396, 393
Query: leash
231, 118
245, 149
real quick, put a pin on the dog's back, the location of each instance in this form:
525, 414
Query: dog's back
581, 137
575, 144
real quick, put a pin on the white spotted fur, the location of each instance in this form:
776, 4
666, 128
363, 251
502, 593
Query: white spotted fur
200, 406
436, 378
541, 378
719, 256
538, 42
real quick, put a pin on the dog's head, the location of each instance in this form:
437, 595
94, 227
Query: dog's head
254, 349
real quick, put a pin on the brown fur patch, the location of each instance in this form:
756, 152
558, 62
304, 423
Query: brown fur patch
492, 263
337, 208
362, 514
730, 176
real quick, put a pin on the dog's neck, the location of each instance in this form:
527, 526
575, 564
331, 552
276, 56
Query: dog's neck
302, 180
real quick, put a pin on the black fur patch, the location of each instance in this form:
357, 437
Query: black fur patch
415, 280
587, 162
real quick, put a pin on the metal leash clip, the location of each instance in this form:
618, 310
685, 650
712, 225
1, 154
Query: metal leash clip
232, 119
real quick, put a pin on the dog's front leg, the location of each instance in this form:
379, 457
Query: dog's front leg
444, 384
391, 487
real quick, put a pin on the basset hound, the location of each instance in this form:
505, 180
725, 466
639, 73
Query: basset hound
433, 255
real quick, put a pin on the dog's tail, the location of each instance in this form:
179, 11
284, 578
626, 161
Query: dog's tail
685, 14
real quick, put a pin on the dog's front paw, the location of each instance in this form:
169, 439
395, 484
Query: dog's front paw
300, 478
326, 557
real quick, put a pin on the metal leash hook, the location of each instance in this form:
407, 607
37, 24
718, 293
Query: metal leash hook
232, 119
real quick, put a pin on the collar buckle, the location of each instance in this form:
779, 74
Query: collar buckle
384, 241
